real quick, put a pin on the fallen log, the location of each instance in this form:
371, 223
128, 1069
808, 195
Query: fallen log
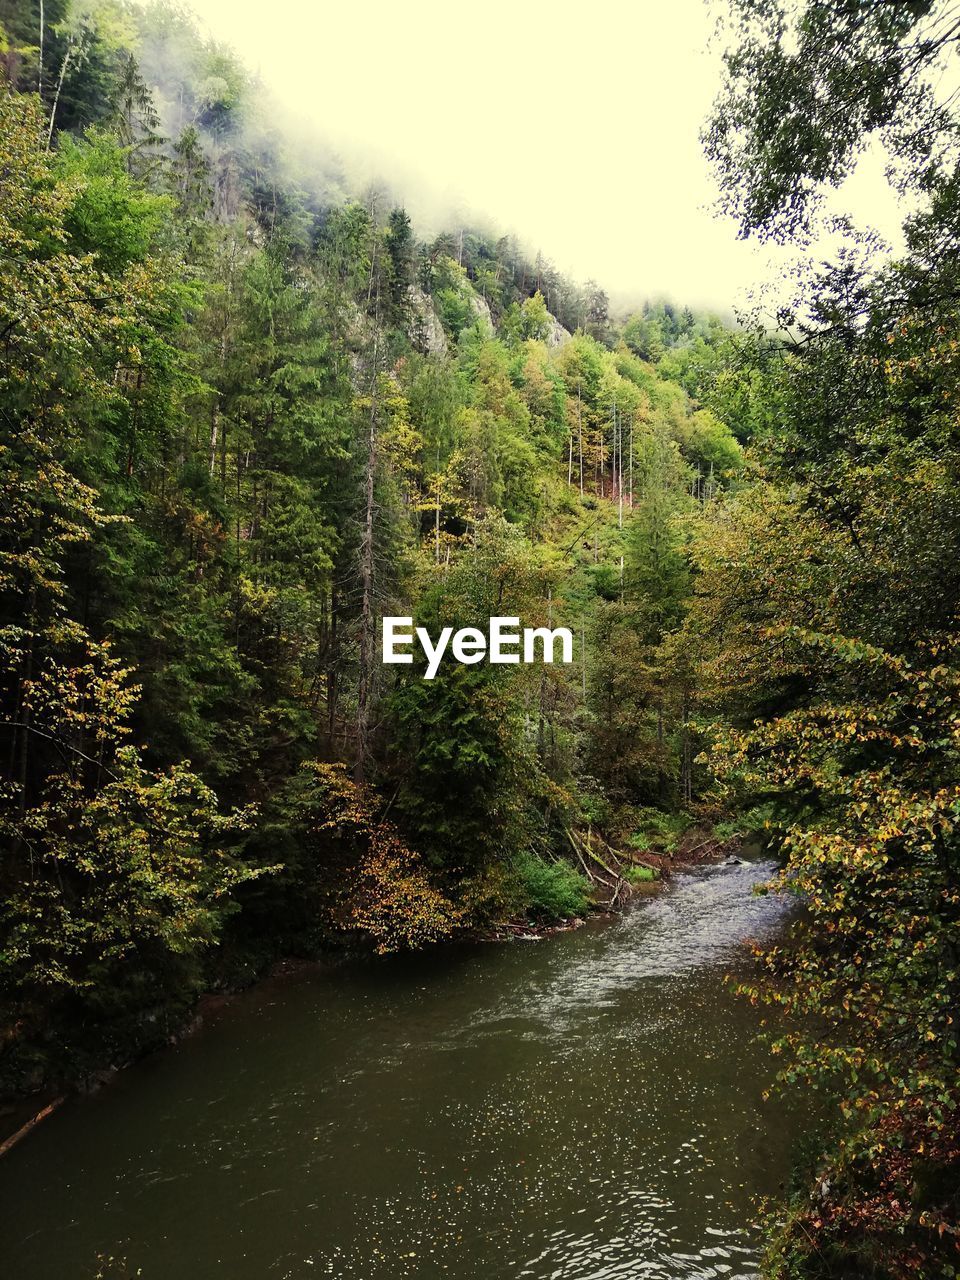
9, 1143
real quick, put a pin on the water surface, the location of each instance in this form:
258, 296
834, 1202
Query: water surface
581, 1108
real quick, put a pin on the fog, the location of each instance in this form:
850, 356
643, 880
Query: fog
575, 129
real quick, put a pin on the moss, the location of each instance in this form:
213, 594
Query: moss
640, 875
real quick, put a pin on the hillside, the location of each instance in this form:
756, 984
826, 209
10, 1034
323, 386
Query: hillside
248, 414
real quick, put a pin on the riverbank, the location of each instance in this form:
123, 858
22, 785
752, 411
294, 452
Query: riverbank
623, 877
515, 1110
619, 878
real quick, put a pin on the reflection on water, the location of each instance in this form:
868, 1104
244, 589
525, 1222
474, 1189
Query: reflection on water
584, 1107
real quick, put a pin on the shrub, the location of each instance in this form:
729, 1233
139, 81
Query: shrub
658, 830
380, 888
553, 890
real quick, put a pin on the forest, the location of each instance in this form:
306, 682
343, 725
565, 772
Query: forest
247, 412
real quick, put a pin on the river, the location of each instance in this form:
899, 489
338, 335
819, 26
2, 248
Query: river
579, 1108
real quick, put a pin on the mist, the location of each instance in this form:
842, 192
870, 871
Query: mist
580, 140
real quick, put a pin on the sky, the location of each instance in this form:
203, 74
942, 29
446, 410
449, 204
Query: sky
574, 127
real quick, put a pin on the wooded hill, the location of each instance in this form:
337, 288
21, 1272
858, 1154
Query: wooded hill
244, 415
246, 410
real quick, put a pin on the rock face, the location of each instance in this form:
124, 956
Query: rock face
426, 331
557, 335
482, 311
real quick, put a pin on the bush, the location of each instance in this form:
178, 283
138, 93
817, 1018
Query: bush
757, 822
658, 830
552, 890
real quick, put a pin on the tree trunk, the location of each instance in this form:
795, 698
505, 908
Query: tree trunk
580, 435
215, 407
631, 462
56, 96
214, 421
436, 527
366, 609
333, 690
367, 638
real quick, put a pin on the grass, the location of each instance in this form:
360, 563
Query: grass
640, 875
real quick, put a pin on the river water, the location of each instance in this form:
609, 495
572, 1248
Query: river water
583, 1107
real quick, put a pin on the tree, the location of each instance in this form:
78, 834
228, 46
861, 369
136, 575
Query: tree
836, 596
462, 761
644, 337
114, 877
222, 459
399, 245
809, 86
135, 119
364, 879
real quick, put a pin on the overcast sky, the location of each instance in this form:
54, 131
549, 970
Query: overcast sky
574, 127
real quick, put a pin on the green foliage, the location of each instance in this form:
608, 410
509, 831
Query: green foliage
367, 880
826, 628
808, 87
644, 336
551, 890
111, 216
454, 296
243, 415
638, 874
658, 830
465, 768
